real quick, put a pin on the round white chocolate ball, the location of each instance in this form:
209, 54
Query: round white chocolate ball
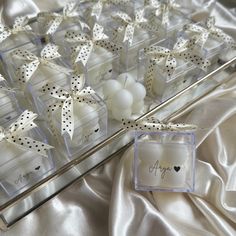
110, 87
138, 91
119, 114
126, 79
123, 99
138, 107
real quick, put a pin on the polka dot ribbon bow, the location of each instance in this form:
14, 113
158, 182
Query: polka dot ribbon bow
202, 33
16, 134
96, 9
153, 125
19, 25
32, 62
66, 99
130, 24
85, 43
69, 12
182, 50
163, 9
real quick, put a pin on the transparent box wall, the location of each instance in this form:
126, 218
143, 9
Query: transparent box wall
164, 161
19, 167
163, 85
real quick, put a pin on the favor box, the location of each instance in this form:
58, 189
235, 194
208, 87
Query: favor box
164, 85
90, 125
164, 161
19, 167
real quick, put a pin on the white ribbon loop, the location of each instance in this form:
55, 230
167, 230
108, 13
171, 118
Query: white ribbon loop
202, 34
15, 134
66, 98
84, 43
153, 125
70, 12
20, 25
47, 55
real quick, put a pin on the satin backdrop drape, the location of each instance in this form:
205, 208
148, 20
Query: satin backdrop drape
105, 203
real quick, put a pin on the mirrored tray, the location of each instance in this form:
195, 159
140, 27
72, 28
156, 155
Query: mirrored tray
67, 170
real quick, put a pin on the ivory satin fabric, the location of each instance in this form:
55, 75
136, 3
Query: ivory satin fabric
105, 203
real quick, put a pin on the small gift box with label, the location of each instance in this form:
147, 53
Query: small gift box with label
55, 24
168, 67
77, 116
211, 41
134, 32
25, 154
18, 34
30, 67
124, 96
164, 155
93, 53
168, 13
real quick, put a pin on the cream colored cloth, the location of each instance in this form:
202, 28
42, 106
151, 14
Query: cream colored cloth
105, 202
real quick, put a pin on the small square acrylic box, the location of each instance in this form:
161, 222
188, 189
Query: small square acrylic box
164, 161
41, 67
90, 125
144, 34
19, 33
163, 85
19, 167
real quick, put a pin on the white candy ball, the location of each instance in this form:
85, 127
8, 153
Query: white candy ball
110, 87
126, 79
86, 114
123, 99
137, 107
138, 91
119, 114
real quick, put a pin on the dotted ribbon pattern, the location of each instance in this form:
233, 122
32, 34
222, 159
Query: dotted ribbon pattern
20, 25
54, 20
66, 101
202, 34
181, 50
85, 43
163, 9
153, 125
129, 25
15, 134
47, 55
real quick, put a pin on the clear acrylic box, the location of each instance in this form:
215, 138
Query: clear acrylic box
16, 40
164, 161
20, 168
163, 85
40, 76
102, 64
90, 125
176, 21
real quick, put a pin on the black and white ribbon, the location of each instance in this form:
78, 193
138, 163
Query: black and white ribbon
15, 134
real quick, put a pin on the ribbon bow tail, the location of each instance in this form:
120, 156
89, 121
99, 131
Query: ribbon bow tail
67, 117
4, 33
81, 53
31, 145
129, 34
